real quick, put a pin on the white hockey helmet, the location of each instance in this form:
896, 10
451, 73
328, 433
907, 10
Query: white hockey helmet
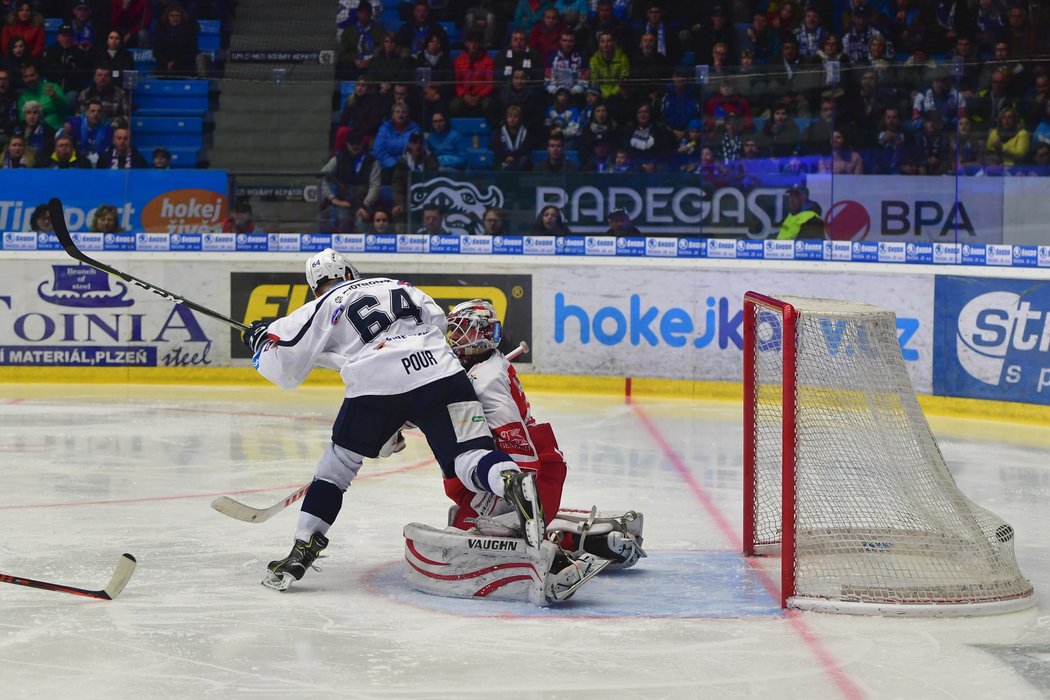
328, 265
473, 329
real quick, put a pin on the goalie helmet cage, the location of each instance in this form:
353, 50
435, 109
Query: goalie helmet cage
842, 471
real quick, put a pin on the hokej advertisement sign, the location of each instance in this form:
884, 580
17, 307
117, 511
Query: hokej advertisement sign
156, 201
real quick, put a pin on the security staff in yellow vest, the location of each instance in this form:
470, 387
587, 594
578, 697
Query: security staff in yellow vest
804, 221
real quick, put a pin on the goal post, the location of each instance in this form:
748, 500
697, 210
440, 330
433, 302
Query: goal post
843, 475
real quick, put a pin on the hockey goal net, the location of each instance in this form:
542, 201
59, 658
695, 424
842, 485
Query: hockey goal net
843, 474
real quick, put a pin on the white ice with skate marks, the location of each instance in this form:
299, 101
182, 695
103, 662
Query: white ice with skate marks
82, 484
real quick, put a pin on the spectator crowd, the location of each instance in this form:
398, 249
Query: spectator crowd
64, 106
736, 92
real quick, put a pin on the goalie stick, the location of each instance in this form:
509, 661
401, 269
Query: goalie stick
245, 513
121, 576
58, 222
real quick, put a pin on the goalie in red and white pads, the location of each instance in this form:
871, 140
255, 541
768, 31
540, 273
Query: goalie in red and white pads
447, 563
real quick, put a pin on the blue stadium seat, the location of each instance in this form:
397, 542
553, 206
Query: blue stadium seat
172, 98
539, 156
572, 156
180, 157
688, 58
469, 126
51, 25
455, 36
480, 159
390, 18
346, 88
173, 132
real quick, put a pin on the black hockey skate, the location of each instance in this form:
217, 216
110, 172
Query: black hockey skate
519, 491
281, 573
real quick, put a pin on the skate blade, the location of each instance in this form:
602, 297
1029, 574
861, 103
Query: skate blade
564, 594
278, 583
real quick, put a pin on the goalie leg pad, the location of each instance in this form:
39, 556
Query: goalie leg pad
457, 564
616, 537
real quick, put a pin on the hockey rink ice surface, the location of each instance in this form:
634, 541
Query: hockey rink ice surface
90, 472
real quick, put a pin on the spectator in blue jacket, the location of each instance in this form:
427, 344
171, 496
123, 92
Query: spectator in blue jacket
90, 131
446, 144
392, 138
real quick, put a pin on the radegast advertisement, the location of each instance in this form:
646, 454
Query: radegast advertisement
270, 295
992, 339
688, 323
658, 204
70, 315
155, 201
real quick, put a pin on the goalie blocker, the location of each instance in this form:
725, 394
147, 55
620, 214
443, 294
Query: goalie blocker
457, 564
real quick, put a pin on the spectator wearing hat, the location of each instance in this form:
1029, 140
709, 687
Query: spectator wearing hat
161, 158
474, 70
358, 44
609, 66
350, 187
83, 26
66, 63
601, 159
803, 220
620, 224
689, 143
240, 219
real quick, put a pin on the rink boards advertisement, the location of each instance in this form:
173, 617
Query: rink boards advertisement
993, 339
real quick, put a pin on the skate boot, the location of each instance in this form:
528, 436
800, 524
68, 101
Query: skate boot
568, 572
519, 491
281, 573
622, 549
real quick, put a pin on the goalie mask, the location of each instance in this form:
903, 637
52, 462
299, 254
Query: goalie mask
473, 330
328, 265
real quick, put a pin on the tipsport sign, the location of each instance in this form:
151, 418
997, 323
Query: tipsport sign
992, 339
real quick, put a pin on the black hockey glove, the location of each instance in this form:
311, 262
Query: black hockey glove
255, 335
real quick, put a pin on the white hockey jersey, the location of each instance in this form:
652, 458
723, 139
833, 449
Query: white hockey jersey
508, 413
383, 337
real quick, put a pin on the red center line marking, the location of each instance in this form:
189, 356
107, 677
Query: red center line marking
191, 496
831, 667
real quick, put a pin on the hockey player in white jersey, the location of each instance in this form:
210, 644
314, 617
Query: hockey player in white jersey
387, 341
474, 333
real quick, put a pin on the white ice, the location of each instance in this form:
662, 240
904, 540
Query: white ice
89, 472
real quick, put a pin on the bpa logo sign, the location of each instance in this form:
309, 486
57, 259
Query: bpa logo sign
996, 336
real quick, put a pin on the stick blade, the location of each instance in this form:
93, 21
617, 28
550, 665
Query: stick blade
238, 511
125, 569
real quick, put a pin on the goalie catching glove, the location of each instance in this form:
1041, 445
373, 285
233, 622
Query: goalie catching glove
255, 335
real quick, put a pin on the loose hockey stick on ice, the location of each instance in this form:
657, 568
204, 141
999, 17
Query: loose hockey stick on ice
58, 222
245, 513
121, 576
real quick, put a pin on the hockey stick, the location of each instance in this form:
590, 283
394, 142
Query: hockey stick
239, 511
58, 222
121, 576
245, 513
522, 348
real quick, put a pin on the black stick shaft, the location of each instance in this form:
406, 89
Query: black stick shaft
58, 222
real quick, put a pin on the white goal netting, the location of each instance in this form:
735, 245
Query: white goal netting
879, 524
